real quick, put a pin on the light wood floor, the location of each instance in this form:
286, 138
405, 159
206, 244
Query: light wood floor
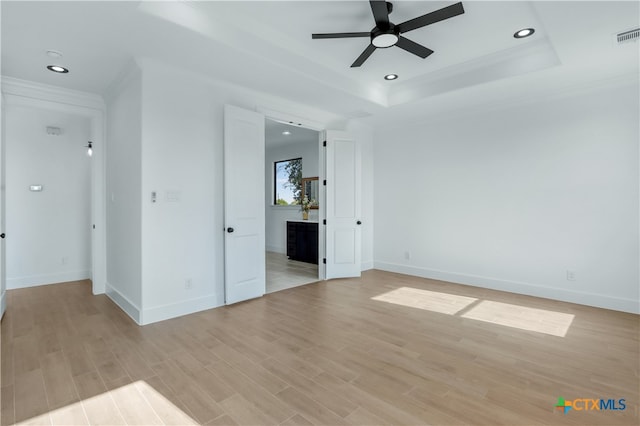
383, 349
283, 273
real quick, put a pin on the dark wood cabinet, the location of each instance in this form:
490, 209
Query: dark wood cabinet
302, 241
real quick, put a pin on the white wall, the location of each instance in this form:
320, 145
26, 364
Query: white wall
277, 216
123, 189
182, 154
165, 135
513, 198
50, 238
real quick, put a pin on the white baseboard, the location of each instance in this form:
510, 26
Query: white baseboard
173, 310
554, 293
365, 266
276, 249
124, 303
44, 279
3, 303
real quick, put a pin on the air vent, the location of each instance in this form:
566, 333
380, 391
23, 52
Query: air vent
628, 36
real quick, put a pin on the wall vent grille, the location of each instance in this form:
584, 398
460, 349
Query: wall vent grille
628, 36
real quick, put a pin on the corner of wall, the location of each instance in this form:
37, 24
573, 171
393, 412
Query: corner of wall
3, 303
173, 310
130, 71
529, 289
124, 303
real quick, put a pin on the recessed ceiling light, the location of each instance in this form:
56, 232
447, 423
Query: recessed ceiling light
286, 132
391, 76
57, 68
525, 32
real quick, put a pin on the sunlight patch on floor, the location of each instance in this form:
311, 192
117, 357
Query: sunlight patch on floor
135, 403
505, 314
540, 320
443, 303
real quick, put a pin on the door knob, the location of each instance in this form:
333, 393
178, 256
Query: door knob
358, 223
229, 230
2, 235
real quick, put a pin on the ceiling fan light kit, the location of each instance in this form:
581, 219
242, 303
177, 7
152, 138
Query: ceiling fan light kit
386, 34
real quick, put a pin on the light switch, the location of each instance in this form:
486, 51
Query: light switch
35, 188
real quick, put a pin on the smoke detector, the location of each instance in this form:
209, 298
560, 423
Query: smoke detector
54, 53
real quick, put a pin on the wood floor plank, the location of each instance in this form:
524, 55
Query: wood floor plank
102, 410
335, 352
260, 397
7, 413
30, 396
243, 412
89, 384
58, 380
336, 403
309, 408
133, 406
72, 414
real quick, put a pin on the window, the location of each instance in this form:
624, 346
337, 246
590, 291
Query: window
287, 182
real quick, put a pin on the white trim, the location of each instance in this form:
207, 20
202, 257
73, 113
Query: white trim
123, 302
185, 307
3, 303
518, 100
45, 92
365, 266
554, 293
286, 117
275, 249
46, 279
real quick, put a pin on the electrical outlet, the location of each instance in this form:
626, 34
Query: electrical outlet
188, 284
407, 255
571, 275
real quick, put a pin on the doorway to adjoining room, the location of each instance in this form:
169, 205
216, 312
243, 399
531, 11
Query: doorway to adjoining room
292, 201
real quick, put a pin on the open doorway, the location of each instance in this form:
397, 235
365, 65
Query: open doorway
292, 239
48, 197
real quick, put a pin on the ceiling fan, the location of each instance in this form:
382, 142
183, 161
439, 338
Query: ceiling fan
386, 34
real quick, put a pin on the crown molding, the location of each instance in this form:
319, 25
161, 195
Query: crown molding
517, 100
45, 92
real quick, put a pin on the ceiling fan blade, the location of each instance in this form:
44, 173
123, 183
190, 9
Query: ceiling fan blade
340, 35
364, 56
430, 18
413, 47
380, 13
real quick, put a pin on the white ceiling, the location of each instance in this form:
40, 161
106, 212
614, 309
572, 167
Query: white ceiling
267, 46
275, 138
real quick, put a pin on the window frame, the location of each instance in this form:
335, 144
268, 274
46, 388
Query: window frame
274, 199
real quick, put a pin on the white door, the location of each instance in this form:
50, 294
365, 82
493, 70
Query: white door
343, 239
3, 284
244, 208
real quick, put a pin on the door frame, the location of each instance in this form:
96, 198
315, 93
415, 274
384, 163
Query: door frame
18, 92
321, 129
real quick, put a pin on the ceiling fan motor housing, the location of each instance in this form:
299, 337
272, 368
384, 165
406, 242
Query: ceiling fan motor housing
385, 38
